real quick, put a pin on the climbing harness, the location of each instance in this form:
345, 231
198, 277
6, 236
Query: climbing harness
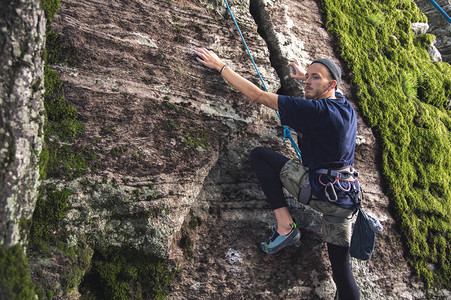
448, 18
366, 227
286, 130
347, 174
354, 190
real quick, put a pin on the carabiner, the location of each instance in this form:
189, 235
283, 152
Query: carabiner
334, 194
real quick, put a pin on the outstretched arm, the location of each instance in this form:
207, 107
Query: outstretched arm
211, 60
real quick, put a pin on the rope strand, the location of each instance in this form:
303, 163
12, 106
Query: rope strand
286, 130
448, 18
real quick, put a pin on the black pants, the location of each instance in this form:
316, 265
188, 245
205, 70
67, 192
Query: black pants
267, 165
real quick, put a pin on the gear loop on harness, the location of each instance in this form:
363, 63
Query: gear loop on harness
343, 189
325, 184
346, 174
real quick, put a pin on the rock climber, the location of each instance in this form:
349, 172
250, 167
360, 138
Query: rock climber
328, 125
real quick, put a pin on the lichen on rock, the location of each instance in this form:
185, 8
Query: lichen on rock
22, 114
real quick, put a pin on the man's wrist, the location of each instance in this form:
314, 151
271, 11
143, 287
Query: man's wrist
221, 65
223, 68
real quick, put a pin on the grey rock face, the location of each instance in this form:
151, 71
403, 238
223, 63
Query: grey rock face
438, 25
422, 28
22, 36
419, 28
434, 53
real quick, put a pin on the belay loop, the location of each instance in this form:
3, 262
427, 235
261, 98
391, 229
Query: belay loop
286, 130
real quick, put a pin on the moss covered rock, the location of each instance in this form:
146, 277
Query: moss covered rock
405, 97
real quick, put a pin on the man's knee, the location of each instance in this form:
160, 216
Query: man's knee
256, 154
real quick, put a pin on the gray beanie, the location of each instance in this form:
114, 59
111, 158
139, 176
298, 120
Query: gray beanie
333, 68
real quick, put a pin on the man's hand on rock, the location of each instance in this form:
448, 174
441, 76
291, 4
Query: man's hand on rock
299, 73
209, 59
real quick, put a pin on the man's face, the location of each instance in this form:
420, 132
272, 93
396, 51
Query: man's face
319, 83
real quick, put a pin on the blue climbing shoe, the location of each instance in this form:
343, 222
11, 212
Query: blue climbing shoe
273, 229
278, 242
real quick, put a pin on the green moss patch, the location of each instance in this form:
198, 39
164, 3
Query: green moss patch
50, 8
15, 280
47, 216
62, 156
56, 52
119, 273
404, 96
48, 238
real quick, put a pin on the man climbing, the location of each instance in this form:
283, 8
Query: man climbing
328, 126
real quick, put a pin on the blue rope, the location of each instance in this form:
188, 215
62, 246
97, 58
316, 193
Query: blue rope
245, 45
286, 130
441, 10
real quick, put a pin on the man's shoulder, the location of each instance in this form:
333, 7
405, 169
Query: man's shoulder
294, 101
339, 100
338, 96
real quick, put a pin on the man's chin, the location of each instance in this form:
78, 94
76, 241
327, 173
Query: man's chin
309, 96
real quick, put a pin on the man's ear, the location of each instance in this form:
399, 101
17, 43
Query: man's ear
332, 85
